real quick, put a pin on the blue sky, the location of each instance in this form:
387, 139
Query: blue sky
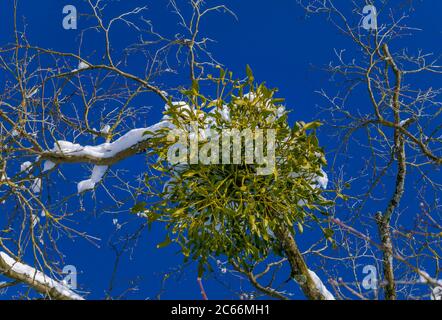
284, 48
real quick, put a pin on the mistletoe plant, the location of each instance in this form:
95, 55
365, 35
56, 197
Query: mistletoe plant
226, 208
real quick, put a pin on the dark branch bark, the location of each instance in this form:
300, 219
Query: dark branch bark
383, 220
299, 269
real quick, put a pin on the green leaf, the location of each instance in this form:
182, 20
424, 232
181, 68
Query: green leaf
328, 233
139, 207
189, 174
249, 73
195, 86
165, 243
252, 220
200, 270
312, 125
300, 227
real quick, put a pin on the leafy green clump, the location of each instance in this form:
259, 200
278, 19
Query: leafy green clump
228, 209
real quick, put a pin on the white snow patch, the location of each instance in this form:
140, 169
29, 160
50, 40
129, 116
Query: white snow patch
82, 65
321, 287
34, 220
403, 122
436, 292
48, 165
97, 174
25, 166
85, 185
105, 129
32, 93
225, 113
317, 181
36, 185
424, 277
108, 149
38, 277
322, 181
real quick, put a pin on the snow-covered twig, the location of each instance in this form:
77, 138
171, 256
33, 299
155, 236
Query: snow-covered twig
321, 287
42, 283
107, 153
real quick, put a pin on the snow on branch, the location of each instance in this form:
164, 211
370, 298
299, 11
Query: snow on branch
436, 284
97, 175
35, 279
104, 154
321, 287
